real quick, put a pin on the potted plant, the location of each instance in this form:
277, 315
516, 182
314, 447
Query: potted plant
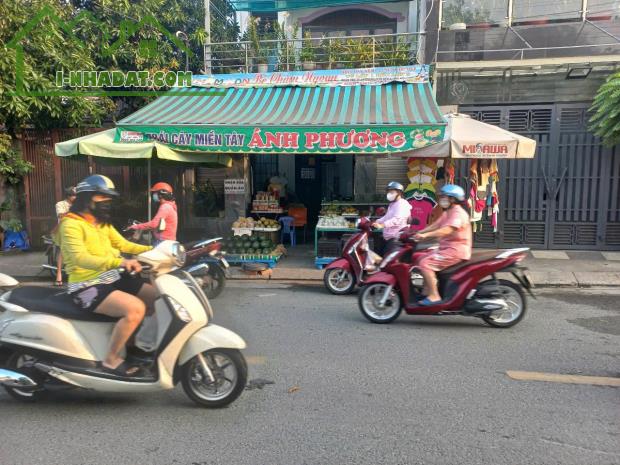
359, 53
458, 15
454, 15
259, 54
307, 55
13, 168
14, 237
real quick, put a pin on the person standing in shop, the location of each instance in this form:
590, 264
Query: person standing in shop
62, 208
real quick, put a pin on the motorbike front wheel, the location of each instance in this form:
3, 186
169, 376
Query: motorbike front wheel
23, 363
339, 281
230, 373
213, 283
371, 305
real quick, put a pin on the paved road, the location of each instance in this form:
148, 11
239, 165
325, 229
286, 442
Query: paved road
419, 391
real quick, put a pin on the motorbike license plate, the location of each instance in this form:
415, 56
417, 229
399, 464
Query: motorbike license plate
224, 263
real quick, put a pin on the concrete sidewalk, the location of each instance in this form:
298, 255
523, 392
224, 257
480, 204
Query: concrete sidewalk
546, 268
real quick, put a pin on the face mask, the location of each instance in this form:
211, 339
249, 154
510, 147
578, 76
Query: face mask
155, 198
445, 203
102, 211
391, 196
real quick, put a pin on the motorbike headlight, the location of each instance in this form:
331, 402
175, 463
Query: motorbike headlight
180, 310
179, 254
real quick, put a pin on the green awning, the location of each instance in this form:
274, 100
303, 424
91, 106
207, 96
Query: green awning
282, 5
101, 144
386, 118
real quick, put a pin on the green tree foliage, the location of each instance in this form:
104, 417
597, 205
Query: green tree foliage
98, 35
46, 48
12, 166
605, 121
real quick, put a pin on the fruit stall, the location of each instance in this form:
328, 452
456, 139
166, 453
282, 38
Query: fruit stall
254, 241
337, 221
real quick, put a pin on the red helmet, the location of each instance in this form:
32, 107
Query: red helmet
161, 186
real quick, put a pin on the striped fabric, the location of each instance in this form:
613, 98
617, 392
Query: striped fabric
107, 277
367, 105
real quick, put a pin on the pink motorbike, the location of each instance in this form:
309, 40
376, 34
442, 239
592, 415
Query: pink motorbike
356, 264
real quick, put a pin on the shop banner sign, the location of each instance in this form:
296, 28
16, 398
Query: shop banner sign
413, 74
348, 139
234, 186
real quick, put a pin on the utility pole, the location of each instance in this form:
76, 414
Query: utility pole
207, 47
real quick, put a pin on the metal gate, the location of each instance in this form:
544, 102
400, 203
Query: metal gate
568, 196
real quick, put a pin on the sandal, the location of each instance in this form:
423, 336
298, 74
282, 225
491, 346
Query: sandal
428, 303
123, 370
58, 284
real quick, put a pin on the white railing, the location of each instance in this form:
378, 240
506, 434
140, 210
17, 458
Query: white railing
308, 54
525, 53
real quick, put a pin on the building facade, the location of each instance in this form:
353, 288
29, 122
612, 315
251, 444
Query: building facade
533, 67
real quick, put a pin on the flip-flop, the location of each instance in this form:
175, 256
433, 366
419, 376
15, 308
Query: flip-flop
58, 284
124, 370
428, 303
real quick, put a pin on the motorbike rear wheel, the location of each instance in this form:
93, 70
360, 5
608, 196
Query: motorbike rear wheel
515, 299
339, 281
369, 302
230, 372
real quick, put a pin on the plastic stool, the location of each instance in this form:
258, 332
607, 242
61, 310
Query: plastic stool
288, 227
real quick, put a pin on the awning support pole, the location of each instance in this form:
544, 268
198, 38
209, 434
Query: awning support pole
148, 191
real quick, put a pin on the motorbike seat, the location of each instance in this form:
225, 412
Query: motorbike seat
476, 257
52, 302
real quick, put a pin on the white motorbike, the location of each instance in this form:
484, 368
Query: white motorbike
52, 343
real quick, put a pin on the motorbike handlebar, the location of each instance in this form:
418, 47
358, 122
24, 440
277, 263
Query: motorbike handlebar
145, 269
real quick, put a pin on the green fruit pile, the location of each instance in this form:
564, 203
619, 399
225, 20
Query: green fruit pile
266, 223
240, 245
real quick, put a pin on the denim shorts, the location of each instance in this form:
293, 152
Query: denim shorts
91, 297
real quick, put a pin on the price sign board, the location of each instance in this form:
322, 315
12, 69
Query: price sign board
234, 186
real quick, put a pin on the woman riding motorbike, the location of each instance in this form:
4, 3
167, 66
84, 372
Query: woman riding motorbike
92, 249
397, 217
453, 230
167, 212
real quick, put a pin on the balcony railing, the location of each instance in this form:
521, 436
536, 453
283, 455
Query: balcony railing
309, 54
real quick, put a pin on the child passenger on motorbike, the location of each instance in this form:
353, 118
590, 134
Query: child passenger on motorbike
92, 249
453, 229
162, 193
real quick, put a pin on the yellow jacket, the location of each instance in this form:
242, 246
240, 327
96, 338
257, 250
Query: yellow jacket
89, 249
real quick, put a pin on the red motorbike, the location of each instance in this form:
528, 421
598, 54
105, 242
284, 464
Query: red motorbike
212, 277
470, 288
356, 263
208, 252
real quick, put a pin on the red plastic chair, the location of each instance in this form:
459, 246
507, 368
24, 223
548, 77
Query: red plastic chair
300, 215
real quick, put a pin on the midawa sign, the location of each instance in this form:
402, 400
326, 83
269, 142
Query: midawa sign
480, 150
486, 149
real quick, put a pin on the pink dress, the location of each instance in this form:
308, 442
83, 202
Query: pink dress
454, 248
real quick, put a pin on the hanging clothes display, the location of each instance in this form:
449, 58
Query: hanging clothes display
483, 178
421, 191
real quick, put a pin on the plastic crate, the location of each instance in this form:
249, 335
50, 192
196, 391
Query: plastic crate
329, 248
